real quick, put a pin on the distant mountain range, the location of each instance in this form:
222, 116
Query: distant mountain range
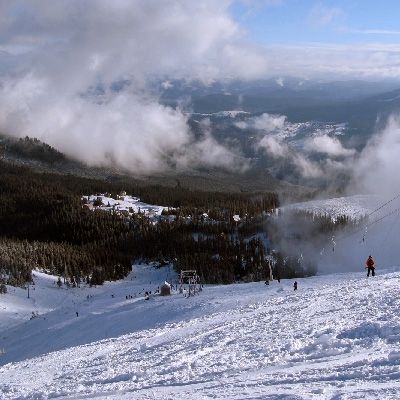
274, 93
360, 104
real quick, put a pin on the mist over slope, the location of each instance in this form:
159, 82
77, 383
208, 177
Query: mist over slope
39, 156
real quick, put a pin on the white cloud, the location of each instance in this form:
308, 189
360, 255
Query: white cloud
265, 122
274, 147
59, 61
269, 123
375, 31
167, 84
328, 145
377, 168
277, 148
136, 132
64, 58
335, 61
275, 141
321, 15
306, 167
206, 151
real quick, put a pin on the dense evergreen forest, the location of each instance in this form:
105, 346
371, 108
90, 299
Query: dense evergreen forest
44, 224
31, 148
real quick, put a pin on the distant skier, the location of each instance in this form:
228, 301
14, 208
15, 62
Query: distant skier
295, 285
77, 314
370, 265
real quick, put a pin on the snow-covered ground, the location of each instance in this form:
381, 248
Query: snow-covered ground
125, 203
337, 337
222, 114
356, 206
56, 307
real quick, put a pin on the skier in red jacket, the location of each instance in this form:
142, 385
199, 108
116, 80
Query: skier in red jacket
370, 265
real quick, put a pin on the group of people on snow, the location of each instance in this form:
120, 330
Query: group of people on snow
369, 265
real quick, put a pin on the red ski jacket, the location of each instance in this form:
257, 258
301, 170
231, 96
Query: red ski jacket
370, 263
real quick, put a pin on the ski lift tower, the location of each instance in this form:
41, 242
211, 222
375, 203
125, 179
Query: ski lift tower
271, 262
190, 278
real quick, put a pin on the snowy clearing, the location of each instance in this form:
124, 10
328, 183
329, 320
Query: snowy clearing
337, 337
127, 204
355, 207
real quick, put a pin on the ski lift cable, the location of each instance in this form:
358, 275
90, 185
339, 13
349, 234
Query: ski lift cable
385, 237
383, 217
383, 205
365, 227
375, 221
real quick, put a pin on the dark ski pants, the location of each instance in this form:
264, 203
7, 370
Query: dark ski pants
372, 271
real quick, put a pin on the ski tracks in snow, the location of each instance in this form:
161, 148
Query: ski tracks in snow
336, 338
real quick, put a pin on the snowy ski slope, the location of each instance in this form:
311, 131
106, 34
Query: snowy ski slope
337, 337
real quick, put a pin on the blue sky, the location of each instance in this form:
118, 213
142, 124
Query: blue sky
293, 22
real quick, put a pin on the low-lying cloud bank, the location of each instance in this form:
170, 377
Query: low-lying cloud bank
79, 75
277, 134
377, 170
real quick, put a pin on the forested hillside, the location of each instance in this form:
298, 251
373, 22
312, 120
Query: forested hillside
44, 224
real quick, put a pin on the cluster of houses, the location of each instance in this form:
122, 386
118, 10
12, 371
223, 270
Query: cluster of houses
125, 206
